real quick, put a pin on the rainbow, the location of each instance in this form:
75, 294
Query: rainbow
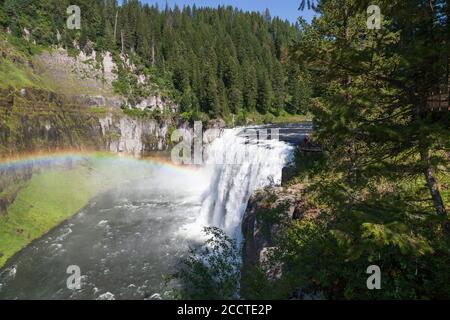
43, 158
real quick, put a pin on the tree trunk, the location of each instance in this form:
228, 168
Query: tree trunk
122, 40
153, 51
438, 203
115, 27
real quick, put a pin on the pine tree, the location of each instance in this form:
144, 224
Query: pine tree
362, 114
210, 101
265, 95
278, 85
250, 86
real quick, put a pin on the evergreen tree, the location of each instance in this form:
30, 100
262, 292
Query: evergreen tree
265, 95
278, 86
250, 86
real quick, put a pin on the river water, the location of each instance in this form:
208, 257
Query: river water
128, 238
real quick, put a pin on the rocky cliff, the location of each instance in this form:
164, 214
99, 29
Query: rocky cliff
269, 213
268, 210
37, 120
52, 99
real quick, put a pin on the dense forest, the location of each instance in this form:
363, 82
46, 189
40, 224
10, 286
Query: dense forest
218, 61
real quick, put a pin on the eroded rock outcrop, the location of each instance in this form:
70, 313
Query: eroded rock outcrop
134, 136
88, 79
269, 212
40, 120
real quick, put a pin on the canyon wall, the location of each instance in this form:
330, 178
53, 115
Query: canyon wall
33, 120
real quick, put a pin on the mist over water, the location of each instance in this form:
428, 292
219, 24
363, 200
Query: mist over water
238, 163
129, 237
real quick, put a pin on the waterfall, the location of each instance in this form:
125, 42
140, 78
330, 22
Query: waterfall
239, 162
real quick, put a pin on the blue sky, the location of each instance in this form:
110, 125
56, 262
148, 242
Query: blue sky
285, 9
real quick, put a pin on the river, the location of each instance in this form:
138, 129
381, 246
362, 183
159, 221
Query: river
128, 238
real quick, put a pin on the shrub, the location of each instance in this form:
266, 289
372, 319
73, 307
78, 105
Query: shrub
211, 271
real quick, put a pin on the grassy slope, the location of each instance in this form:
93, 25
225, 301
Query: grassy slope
47, 199
15, 70
294, 118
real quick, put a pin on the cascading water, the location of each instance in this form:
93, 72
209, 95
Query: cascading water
127, 238
239, 162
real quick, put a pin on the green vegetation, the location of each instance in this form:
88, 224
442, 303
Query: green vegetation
326, 254
14, 69
47, 200
99, 110
210, 271
13, 76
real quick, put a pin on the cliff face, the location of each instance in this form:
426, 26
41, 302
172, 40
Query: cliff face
89, 78
133, 136
269, 213
36, 120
